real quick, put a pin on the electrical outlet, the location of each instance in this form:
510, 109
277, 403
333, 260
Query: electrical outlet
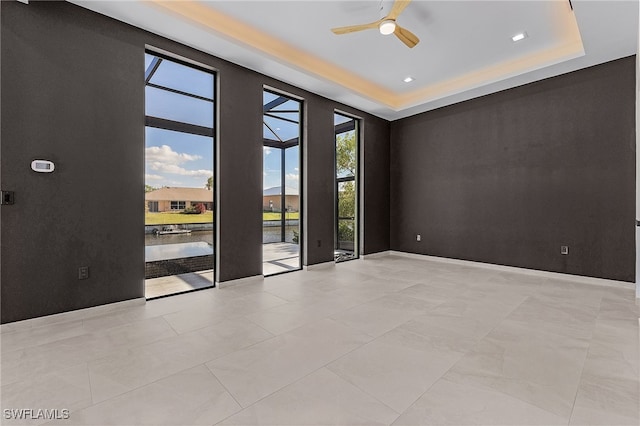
8, 198
83, 272
564, 249
418, 237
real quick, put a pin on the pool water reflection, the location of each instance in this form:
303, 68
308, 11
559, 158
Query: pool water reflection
177, 251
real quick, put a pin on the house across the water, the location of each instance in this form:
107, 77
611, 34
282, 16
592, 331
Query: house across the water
177, 199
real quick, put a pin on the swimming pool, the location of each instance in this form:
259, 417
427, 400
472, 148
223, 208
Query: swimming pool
177, 251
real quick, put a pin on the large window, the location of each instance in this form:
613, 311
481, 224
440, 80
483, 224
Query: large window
179, 150
281, 197
178, 205
346, 188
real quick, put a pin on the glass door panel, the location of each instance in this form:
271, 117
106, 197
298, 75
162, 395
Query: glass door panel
281, 183
179, 183
346, 188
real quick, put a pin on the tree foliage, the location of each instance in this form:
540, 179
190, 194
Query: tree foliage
347, 199
346, 154
149, 188
346, 209
346, 164
198, 208
209, 184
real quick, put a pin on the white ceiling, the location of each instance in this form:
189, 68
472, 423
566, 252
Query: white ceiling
465, 50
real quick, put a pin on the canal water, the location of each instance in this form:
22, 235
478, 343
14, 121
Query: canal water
273, 234
199, 243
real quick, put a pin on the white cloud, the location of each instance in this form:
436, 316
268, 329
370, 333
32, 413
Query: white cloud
296, 169
267, 150
148, 177
164, 159
165, 154
177, 170
292, 176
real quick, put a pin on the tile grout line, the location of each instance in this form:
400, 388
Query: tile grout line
354, 349
90, 384
460, 359
356, 385
360, 389
142, 386
112, 351
307, 375
312, 372
169, 324
584, 362
226, 390
164, 377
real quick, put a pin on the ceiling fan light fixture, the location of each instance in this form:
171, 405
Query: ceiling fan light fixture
388, 26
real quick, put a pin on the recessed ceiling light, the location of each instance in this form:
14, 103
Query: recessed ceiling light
518, 37
408, 79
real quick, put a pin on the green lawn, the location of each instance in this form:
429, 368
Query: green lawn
176, 218
276, 216
179, 218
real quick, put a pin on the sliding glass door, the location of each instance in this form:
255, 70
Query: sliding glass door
281, 196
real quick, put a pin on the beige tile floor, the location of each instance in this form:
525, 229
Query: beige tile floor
173, 284
384, 341
280, 257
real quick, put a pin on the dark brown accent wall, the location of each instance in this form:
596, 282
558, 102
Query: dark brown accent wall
319, 188
239, 171
375, 174
510, 177
73, 92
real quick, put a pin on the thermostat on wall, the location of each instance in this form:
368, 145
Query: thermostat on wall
42, 166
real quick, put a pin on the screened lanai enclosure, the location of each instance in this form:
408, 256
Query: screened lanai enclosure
281, 197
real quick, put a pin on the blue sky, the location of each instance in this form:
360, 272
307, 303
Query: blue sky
180, 159
176, 158
276, 129
272, 167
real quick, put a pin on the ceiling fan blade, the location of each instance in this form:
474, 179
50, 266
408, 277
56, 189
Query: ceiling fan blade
397, 8
406, 36
354, 28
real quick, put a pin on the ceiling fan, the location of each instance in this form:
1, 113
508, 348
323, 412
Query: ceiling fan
386, 25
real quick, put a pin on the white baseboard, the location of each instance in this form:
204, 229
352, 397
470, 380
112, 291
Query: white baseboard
245, 280
534, 272
78, 314
323, 265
